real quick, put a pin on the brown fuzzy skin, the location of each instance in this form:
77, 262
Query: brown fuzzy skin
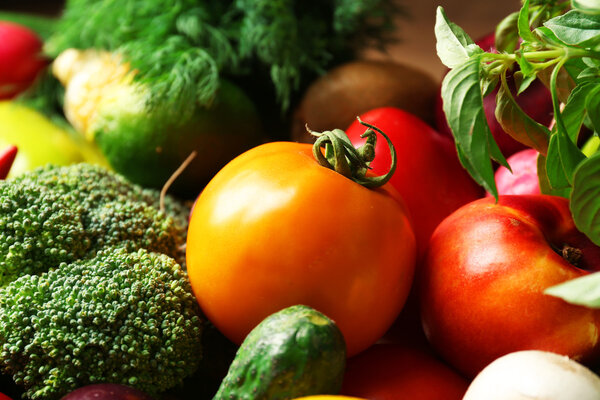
335, 99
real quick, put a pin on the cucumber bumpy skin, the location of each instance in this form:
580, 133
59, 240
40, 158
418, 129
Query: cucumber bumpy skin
294, 352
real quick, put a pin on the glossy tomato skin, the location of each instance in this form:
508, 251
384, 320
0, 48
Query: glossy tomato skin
395, 371
429, 176
274, 228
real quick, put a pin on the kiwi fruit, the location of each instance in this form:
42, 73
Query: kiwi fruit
346, 91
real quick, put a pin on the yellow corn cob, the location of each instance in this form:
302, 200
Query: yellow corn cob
92, 80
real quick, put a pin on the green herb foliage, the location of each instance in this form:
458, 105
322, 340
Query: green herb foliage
557, 42
181, 47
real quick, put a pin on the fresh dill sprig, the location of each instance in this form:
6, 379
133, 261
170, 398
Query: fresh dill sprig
182, 48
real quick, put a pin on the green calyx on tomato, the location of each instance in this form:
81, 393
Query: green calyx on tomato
352, 162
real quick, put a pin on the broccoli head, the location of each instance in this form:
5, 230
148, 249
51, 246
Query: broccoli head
120, 316
56, 215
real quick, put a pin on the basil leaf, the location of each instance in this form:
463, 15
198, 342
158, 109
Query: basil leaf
518, 124
525, 67
453, 45
574, 67
488, 84
587, 6
576, 28
547, 36
592, 104
591, 62
523, 23
557, 179
585, 198
507, 33
521, 82
463, 106
564, 82
545, 186
588, 74
570, 155
591, 146
575, 109
584, 290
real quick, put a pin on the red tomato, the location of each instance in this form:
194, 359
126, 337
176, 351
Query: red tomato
391, 371
429, 176
274, 228
20, 58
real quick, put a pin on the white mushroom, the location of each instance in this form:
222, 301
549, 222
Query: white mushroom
534, 375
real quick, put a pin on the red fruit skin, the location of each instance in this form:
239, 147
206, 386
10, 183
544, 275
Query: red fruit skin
523, 179
7, 158
482, 283
392, 371
4, 397
429, 176
20, 58
535, 101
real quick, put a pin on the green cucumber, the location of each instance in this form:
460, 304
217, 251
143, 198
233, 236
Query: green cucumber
295, 352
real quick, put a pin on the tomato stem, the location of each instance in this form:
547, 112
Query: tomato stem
341, 156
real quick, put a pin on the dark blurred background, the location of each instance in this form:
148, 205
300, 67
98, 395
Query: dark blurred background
44, 7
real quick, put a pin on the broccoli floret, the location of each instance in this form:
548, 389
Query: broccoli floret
56, 215
122, 317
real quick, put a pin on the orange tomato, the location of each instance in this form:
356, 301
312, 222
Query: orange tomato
274, 228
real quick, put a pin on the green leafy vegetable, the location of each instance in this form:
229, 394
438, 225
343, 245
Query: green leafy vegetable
587, 6
518, 124
463, 106
182, 47
584, 204
583, 291
454, 46
576, 28
557, 44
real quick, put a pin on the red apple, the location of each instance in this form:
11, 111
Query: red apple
524, 178
482, 282
535, 101
429, 176
392, 371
